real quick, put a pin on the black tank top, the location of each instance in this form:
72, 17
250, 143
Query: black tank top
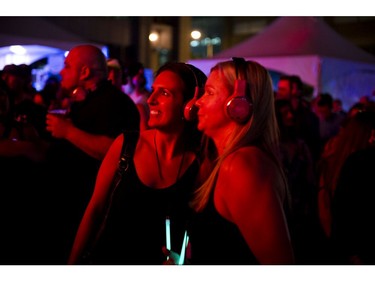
217, 241
135, 228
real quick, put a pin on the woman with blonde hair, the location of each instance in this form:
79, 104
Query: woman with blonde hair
240, 207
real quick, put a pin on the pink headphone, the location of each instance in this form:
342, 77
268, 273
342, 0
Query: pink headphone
238, 107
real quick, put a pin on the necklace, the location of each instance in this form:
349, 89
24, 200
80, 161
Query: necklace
158, 161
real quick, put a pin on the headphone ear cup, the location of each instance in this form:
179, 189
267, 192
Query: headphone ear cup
238, 107
190, 109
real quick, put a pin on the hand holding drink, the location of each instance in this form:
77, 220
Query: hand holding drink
57, 122
58, 111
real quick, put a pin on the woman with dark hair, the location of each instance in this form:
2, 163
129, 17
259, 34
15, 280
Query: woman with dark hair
158, 183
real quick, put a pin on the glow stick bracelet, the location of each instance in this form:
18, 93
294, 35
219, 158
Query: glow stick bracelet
168, 233
183, 249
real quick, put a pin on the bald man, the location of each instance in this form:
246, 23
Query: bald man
98, 113
85, 75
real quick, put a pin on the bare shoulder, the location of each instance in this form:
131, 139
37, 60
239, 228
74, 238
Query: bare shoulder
247, 179
248, 160
249, 170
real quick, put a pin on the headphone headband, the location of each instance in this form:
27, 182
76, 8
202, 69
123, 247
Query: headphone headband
239, 63
190, 110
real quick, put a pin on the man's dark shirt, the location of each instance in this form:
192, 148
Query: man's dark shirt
71, 172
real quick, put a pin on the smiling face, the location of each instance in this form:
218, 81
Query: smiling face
211, 106
166, 101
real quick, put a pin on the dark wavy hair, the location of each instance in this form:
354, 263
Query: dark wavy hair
191, 77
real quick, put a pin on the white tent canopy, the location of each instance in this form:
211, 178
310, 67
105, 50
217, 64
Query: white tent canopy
308, 47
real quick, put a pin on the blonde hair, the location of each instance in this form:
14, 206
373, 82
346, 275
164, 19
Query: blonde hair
260, 130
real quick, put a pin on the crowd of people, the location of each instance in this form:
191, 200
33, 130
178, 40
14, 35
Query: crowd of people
242, 173
316, 139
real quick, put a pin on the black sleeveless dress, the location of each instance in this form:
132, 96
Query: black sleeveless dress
135, 228
217, 241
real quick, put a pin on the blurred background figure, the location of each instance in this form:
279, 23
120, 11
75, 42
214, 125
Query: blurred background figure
115, 74
353, 136
353, 209
352, 232
290, 87
356, 108
140, 95
48, 96
363, 104
337, 107
365, 100
24, 118
300, 171
131, 69
329, 121
22, 150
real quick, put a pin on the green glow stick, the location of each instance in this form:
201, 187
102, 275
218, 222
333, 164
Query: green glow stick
168, 233
183, 249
